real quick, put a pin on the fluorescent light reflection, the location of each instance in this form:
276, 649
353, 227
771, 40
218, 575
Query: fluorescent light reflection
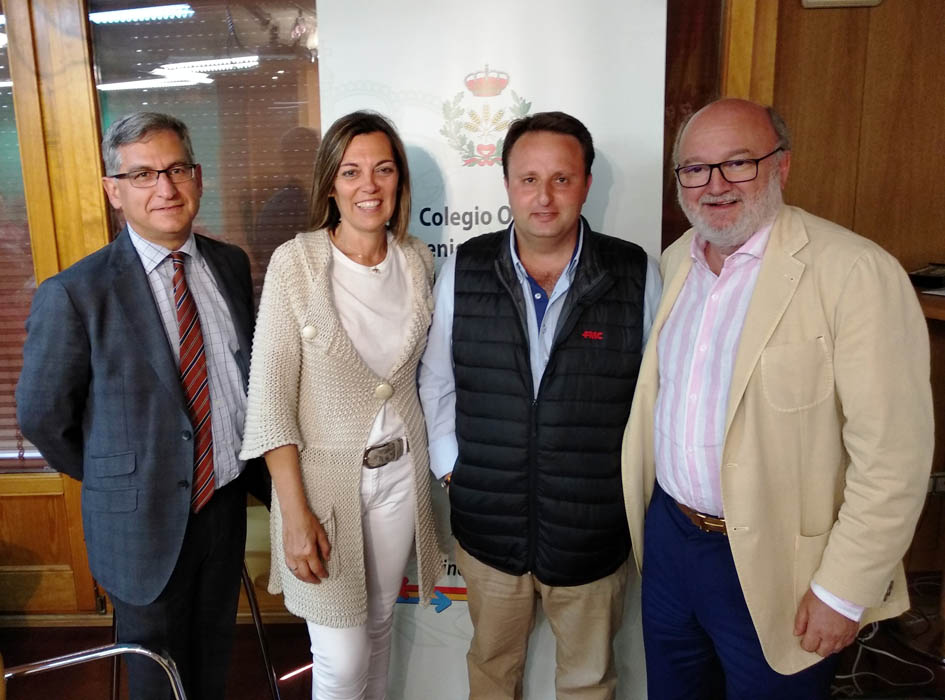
154, 83
143, 14
293, 674
185, 74
213, 65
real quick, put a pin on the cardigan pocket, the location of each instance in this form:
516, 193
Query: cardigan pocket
332, 565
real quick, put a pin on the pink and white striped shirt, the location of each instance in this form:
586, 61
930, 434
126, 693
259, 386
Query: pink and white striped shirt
696, 351
697, 347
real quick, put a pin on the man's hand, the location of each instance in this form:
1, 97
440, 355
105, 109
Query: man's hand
821, 628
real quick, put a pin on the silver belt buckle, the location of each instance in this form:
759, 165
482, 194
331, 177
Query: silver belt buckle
380, 455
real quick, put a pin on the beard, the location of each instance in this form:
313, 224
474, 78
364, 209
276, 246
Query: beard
759, 209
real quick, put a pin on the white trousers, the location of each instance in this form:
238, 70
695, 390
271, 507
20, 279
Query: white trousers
351, 663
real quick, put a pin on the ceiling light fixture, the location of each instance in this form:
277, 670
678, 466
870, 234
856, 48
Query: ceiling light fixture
143, 14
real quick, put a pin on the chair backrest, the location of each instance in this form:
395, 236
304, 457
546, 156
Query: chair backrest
105, 652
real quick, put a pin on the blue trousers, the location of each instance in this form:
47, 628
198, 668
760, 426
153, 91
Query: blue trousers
697, 633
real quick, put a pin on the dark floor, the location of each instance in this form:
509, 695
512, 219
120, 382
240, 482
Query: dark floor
897, 659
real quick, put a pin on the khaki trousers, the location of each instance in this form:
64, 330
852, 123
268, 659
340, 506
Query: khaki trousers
584, 619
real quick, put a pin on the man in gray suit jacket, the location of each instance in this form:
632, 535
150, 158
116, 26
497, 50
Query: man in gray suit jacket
124, 351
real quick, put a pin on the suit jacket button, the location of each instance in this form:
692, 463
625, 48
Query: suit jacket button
183, 483
308, 332
383, 391
186, 435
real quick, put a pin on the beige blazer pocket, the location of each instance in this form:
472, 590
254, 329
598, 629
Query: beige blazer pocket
808, 552
797, 376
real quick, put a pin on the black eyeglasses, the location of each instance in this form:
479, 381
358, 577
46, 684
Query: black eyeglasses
181, 172
738, 170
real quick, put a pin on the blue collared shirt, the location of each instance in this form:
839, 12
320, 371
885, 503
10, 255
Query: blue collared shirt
437, 382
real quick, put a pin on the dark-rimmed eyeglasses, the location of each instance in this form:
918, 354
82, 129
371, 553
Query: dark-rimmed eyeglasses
738, 170
178, 173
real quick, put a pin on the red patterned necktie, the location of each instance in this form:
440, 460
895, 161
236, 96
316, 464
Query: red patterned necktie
193, 377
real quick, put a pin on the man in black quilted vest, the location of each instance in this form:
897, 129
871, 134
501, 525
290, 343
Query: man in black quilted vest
526, 385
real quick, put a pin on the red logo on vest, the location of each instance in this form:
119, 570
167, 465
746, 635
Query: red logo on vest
593, 335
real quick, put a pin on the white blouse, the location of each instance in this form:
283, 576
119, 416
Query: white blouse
374, 305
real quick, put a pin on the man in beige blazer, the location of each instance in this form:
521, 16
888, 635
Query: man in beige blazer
781, 434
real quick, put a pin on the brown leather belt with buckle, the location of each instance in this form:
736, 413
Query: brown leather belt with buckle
706, 523
379, 455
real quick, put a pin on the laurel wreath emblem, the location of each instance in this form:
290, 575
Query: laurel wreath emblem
487, 129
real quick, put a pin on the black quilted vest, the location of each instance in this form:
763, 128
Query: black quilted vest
536, 487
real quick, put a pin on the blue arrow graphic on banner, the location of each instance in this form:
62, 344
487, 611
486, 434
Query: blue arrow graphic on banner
440, 601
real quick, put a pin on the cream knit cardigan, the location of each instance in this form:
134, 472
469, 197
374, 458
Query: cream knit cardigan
309, 387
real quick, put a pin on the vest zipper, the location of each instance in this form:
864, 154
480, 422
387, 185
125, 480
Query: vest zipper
532, 485
533, 426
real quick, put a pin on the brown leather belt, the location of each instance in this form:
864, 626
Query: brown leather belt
379, 455
706, 523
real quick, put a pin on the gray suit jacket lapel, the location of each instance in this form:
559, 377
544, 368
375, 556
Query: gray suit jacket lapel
134, 295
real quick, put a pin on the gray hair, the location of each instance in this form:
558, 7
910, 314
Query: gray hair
780, 128
133, 128
777, 123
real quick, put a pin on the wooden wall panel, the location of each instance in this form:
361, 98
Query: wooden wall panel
43, 565
34, 529
36, 548
900, 198
29, 125
693, 33
37, 589
71, 127
821, 67
750, 32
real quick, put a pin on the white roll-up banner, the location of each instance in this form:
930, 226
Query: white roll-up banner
451, 76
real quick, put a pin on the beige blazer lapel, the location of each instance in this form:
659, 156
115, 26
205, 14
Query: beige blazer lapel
777, 281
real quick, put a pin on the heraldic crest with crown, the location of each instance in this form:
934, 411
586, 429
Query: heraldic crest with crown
478, 132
